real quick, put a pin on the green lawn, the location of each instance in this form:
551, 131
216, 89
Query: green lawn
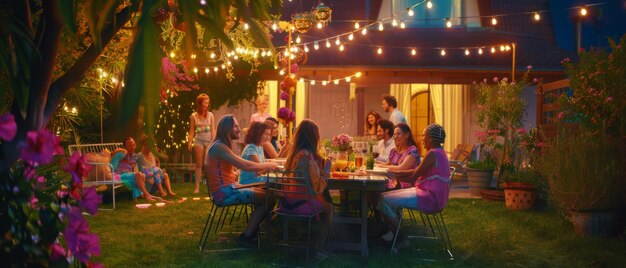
483, 234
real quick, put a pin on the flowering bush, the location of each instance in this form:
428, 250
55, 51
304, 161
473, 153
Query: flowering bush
41, 216
341, 142
499, 112
175, 79
598, 83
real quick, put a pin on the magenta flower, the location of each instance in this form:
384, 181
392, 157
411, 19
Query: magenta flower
609, 99
8, 128
77, 167
529, 67
56, 251
505, 79
520, 131
283, 113
566, 60
559, 115
341, 142
284, 95
495, 79
535, 80
80, 242
283, 86
294, 68
41, 146
90, 200
33, 201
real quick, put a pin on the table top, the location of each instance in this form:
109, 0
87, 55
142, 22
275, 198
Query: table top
358, 182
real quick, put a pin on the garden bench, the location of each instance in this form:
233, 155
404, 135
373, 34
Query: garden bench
102, 172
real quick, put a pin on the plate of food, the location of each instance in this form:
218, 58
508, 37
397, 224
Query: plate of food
161, 204
143, 205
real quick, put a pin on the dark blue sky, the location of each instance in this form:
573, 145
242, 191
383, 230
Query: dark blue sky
606, 20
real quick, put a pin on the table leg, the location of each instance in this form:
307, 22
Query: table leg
364, 212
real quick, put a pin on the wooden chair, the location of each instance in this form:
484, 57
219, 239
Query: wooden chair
460, 156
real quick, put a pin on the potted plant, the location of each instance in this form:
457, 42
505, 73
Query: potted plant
480, 174
499, 113
584, 164
520, 188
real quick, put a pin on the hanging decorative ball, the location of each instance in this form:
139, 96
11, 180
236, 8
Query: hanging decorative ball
286, 115
284, 95
294, 68
302, 22
290, 82
323, 13
297, 56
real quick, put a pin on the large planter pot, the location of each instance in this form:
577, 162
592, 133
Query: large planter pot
492, 194
596, 223
519, 195
478, 179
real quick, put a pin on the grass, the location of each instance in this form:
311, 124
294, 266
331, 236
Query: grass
483, 234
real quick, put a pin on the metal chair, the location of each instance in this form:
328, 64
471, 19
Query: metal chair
221, 214
439, 229
296, 191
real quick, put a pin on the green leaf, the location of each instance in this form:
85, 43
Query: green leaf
68, 12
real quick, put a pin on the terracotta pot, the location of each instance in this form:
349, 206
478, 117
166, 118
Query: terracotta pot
519, 195
492, 194
478, 179
597, 223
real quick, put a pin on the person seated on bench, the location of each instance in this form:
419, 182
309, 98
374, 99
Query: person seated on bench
129, 174
149, 166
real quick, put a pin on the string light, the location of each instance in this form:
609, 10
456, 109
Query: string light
336, 82
583, 11
281, 72
324, 83
480, 51
413, 52
351, 36
448, 23
172, 54
411, 13
494, 21
316, 46
306, 49
380, 26
337, 41
429, 4
537, 16
195, 70
348, 79
402, 25
215, 69
206, 70
319, 25
493, 50
274, 27
327, 43
443, 52
467, 52
341, 47
394, 22
246, 26
502, 48
298, 39
212, 55
364, 31
356, 25
380, 51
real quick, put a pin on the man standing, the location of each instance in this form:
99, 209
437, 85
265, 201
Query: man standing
390, 105
384, 133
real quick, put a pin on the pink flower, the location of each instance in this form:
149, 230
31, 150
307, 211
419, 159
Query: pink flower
56, 251
609, 99
559, 115
535, 80
41, 146
80, 242
8, 128
33, 201
77, 167
90, 200
495, 79
520, 131
529, 67
505, 79
566, 60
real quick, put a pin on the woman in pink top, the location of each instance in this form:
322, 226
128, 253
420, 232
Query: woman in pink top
430, 193
221, 178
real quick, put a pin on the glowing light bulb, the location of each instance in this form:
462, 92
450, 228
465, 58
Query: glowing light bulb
206, 70
172, 54
494, 21
327, 43
364, 31
443, 52
448, 23
246, 26
493, 50
348, 79
413, 52
467, 52
394, 22
306, 49
356, 25
223, 66
301, 80
380, 26
324, 83
507, 48
274, 26
583, 11
411, 13
312, 82
341, 47
429, 4
336, 82
286, 53
263, 53
480, 51
402, 25
351, 36
380, 51
502, 48
193, 56
357, 74
212, 55
282, 72
195, 70
316, 46
215, 69
298, 40
337, 41
319, 25
537, 16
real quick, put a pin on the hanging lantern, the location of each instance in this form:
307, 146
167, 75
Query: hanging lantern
323, 13
302, 22
297, 55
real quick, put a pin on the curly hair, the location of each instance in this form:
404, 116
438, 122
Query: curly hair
391, 100
255, 132
436, 132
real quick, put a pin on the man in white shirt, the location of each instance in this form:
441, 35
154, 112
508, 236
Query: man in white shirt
385, 134
389, 105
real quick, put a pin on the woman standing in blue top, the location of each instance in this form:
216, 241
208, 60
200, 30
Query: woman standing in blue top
258, 134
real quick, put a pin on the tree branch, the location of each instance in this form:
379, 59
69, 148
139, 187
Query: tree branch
77, 71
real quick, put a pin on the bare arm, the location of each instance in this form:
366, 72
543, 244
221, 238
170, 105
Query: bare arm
192, 132
407, 163
222, 152
427, 164
213, 130
269, 149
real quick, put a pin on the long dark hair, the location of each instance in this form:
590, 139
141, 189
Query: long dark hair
307, 138
367, 122
224, 129
406, 129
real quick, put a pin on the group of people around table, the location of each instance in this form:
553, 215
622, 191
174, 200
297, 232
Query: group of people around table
418, 184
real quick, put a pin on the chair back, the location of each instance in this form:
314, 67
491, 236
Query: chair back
93, 148
462, 152
452, 172
293, 191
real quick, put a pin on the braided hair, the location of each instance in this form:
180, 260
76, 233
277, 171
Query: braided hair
436, 132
